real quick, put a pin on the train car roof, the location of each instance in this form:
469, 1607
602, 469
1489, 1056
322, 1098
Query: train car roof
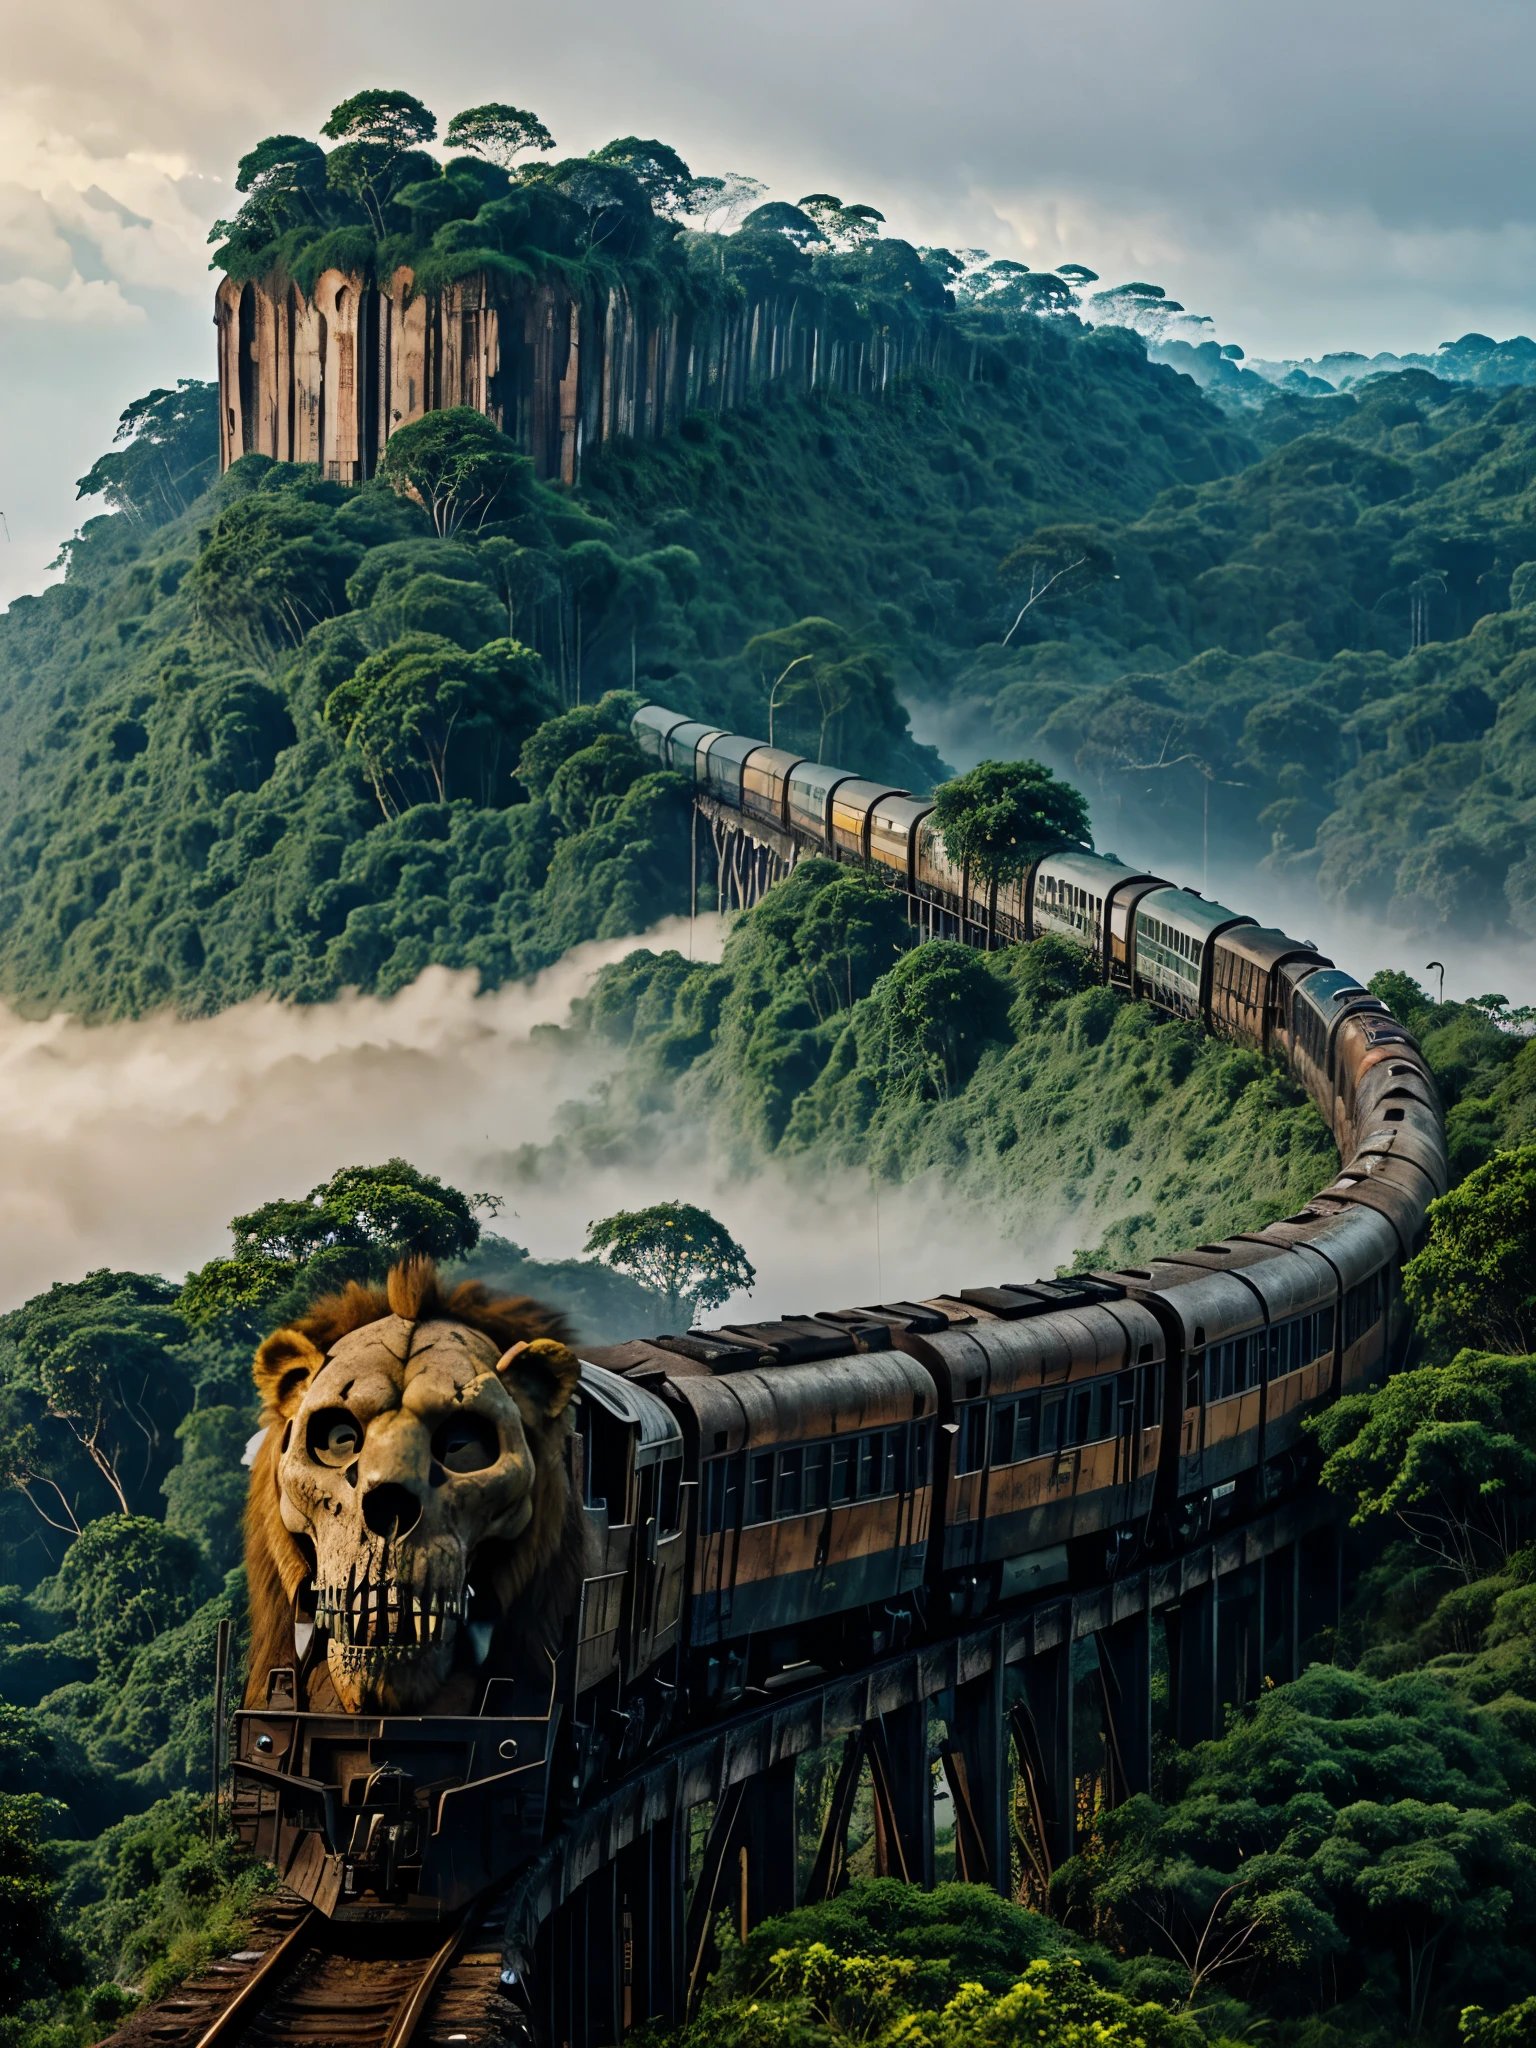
1284, 1280
733, 747
691, 733
791, 1403
817, 775
1330, 987
1189, 912
1269, 947
861, 793
987, 1358
1355, 1240
657, 719
1089, 870
774, 760
899, 812
1208, 1306
658, 1432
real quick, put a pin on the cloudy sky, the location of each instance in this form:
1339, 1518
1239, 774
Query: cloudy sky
1356, 174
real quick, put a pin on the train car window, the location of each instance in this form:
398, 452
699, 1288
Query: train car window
669, 1504
1235, 1366
721, 1490
973, 1438
1363, 1308
760, 1494
791, 1475
1052, 1411
844, 1469
896, 1460
1194, 1373
872, 1465
920, 1453
818, 1467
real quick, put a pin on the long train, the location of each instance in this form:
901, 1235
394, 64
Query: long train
773, 1501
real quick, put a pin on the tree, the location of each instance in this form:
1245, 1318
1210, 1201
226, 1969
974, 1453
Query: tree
1003, 815
840, 226
456, 465
779, 218
1447, 1451
678, 1250
127, 1580
719, 203
377, 131
354, 1226
942, 1005
273, 567
1476, 1277
498, 132
656, 168
101, 1382
171, 458
29, 1935
1056, 561
427, 717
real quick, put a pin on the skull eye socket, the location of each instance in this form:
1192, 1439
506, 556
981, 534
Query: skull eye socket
335, 1437
467, 1443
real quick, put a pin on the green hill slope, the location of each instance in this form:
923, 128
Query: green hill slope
183, 819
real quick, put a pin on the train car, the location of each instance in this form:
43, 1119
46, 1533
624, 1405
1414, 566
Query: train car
811, 787
687, 746
722, 765
1172, 938
893, 828
1362, 1249
1073, 894
1245, 987
853, 805
815, 1493
1251, 1331
765, 784
940, 884
652, 725
1052, 1405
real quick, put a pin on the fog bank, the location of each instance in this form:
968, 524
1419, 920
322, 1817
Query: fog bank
132, 1144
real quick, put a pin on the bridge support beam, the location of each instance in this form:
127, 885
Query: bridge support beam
1192, 1664
1125, 1667
977, 1767
770, 1842
1043, 1732
903, 1779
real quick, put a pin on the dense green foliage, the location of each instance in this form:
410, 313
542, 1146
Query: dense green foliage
1327, 650
233, 751
953, 1968
825, 1038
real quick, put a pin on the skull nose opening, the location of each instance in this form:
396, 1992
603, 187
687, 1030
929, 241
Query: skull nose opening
391, 1510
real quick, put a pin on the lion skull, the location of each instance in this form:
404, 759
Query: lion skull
405, 1457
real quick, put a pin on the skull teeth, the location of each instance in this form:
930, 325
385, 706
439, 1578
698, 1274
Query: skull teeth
382, 1615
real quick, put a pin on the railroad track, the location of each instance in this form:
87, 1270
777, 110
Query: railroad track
305, 1979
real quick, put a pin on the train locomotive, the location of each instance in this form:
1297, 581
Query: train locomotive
772, 1501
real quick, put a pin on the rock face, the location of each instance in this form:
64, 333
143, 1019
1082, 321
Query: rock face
327, 377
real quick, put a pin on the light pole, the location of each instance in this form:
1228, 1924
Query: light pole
1428, 964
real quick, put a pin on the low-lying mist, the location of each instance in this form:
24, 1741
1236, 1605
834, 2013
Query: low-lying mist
132, 1144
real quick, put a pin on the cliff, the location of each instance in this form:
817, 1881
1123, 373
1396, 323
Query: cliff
326, 376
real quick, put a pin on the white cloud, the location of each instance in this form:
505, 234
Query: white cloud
77, 302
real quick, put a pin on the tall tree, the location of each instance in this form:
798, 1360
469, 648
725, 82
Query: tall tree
498, 132
679, 1250
1003, 815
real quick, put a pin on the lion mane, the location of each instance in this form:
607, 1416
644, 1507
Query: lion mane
538, 1579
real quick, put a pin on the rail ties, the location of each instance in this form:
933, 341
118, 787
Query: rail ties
339, 1985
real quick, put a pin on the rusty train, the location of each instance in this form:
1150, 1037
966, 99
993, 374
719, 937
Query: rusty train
773, 1501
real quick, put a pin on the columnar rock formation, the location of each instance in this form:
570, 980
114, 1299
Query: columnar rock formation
327, 376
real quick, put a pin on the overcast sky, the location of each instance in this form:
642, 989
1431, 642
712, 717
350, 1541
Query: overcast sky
1350, 175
